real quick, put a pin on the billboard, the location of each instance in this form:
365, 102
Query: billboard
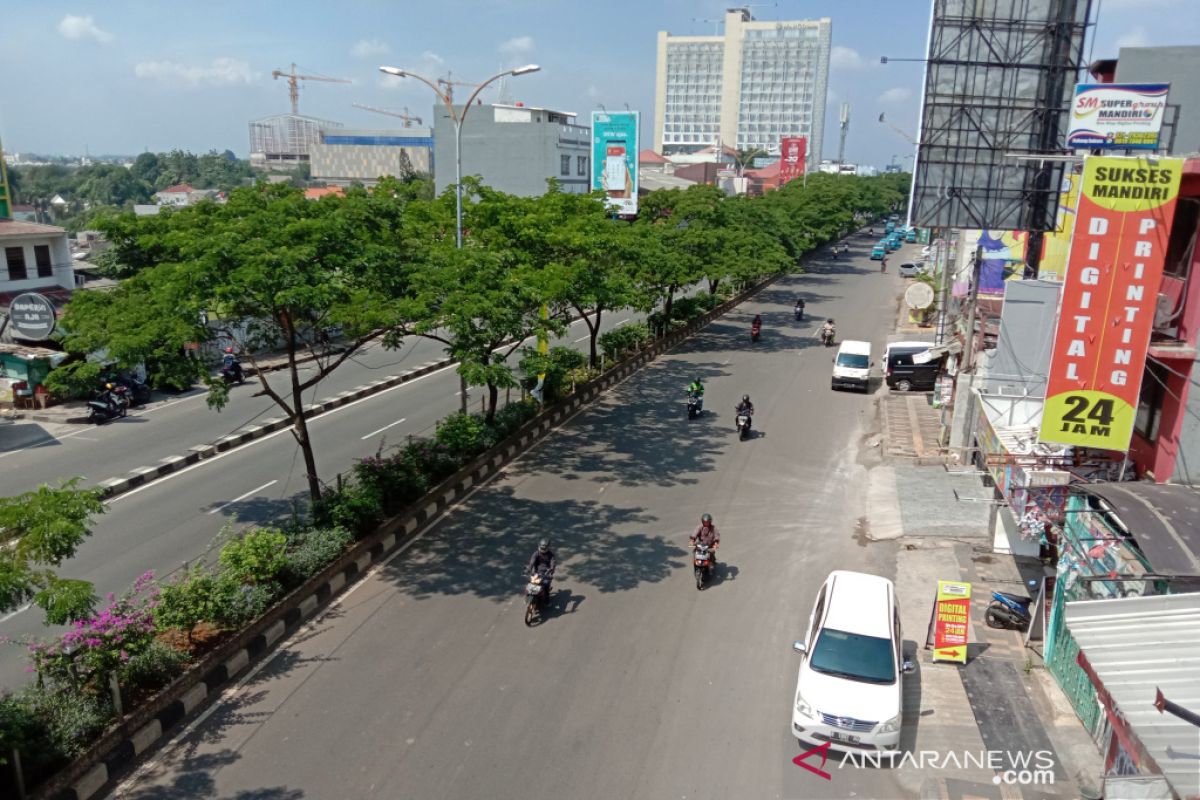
792, 153
614, 158
1125, 116
1109, 294
1057, 243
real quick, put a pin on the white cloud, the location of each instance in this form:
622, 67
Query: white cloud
73, 27
845, 58
368, 48
896, 95
222, 72
1134, 37
517, 46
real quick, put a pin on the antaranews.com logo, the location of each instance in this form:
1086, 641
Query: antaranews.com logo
1011, 767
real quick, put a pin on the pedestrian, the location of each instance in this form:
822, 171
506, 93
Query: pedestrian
883, 264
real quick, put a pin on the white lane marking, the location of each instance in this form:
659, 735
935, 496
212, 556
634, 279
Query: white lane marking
248, 445
582, 339
384, 428
241, 497
619, 324
12, 614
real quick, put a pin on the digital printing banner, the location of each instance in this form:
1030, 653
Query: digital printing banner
792, 153
614, 158
1117, 116
1110, 291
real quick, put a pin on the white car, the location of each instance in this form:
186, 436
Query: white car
911, 269
849, 691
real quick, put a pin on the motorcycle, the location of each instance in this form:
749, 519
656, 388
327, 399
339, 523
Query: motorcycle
232, 373
137, 392
537, 597
743, 425
799, 311
695, 405
703, 561
107, 406
754, 331
827, 336
1010, 611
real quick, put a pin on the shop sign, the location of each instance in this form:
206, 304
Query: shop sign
32, 317
793, 151
951, 621
1117, 116
1110, 291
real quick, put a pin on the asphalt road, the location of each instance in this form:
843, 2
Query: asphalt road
423, 682
177, 519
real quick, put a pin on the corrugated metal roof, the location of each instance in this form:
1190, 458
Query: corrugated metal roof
1163, 518
1138, 644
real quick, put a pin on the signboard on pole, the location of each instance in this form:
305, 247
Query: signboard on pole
792, 152
32, 317
1117, 116
1106, 310
614, 159
951, 621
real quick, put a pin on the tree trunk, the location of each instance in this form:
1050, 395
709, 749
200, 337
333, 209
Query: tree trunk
712, 285
594, 330
300, 423
667, 306
493, 398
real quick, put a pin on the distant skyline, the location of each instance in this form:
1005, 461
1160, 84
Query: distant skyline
120, 77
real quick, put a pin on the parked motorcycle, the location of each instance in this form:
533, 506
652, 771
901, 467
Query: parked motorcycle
695, 405
137, 392
1010, 611
743, 426
107, 405
537, 597
703, 561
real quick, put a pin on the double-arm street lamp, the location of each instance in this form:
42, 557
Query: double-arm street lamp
458, 119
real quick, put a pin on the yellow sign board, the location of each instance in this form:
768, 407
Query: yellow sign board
951, 621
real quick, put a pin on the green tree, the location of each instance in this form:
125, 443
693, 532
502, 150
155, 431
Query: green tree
145, 168
39, 530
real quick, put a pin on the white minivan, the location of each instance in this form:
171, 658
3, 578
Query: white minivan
849, 689
852, 365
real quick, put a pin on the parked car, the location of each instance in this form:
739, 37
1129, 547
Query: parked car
905, 369
911, 269
910, 235
849, 689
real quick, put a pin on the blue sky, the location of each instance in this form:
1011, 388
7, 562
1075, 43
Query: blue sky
121, 76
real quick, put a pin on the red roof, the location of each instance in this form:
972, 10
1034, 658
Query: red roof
648, 156
179, 188
322, 191
12, 227
769, 171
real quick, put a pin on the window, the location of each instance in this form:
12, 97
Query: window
41, 254
565, 165
581, 165
1149, 409
16, 263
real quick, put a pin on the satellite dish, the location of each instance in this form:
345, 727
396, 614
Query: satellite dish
919, 296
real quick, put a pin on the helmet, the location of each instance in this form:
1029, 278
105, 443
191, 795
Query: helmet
706, 520
108, 386
228, 349
698, 380
745, 398
543, 545
830, 320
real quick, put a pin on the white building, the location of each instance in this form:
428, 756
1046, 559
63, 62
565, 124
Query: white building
756, 84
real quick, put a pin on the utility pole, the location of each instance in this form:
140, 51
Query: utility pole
973, 303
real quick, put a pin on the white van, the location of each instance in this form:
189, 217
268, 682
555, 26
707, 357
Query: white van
852, 365
849, 691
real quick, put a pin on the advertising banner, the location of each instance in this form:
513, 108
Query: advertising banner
792, 152
1118, 116
951, 621
1109, 294
614, 158
1057, 243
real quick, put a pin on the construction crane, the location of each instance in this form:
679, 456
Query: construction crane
845, 125
293, 81
408, 120
903, 133
448, 85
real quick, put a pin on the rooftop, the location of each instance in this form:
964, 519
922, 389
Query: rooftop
1163, 518
12, 227
177, 188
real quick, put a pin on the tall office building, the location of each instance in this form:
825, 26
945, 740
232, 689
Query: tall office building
751, 87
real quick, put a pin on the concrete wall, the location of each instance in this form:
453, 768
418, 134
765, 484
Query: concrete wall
514, 156
363, 162
1178, 66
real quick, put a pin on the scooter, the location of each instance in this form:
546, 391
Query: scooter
799, 311
106, 407
1010, 611
232, 374
695, 405
743, 426
537, 597
754, 331
827, 336
703, 560
137, 392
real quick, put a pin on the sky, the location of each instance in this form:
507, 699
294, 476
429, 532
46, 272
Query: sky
124, 76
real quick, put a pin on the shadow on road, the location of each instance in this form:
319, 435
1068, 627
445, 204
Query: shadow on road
20, 435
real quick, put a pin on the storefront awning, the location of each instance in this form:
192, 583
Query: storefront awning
1135, 647
28, 352
1163, 518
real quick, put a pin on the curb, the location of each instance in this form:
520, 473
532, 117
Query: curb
159, 719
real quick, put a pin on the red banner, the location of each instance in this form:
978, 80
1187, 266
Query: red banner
792, 152
1122, 226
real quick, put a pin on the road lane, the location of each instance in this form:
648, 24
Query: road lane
423, 682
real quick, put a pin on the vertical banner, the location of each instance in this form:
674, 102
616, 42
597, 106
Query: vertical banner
6, 203
1057, 243
1105, 316
951, 612
614, 159
792, 153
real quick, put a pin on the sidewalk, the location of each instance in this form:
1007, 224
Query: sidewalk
1002, 699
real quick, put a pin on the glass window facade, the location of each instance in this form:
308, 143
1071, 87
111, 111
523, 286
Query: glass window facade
692, 113
781, 86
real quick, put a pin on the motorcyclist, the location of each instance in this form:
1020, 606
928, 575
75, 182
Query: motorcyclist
230, 362
756, 325
799, 307
543, 563
696, 389
707, 534
746, 407
827, 330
